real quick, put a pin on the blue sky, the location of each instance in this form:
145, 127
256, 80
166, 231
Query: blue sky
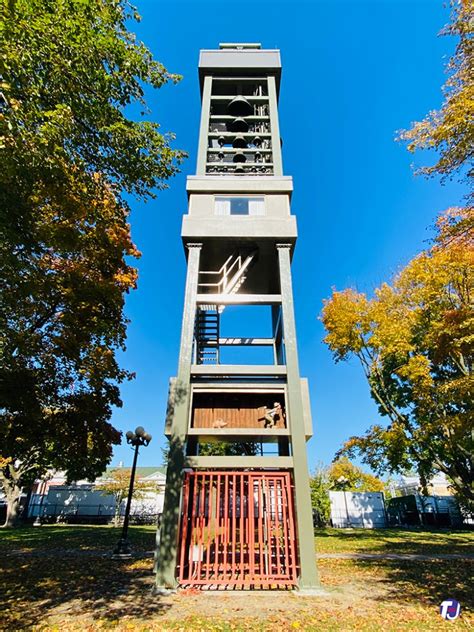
353, 74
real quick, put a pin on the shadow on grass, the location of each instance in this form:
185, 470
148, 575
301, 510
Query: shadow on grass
101, 587
427, 581
409, 541
39, 583
74, 537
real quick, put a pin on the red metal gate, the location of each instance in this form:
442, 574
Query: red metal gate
237, 530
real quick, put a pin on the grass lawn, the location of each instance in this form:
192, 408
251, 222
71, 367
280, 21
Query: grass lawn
62, 578
406, 541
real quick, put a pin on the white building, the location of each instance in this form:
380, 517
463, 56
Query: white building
53, 498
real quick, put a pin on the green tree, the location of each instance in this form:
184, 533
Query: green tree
70, 69
117, 482
319, 487
415, 344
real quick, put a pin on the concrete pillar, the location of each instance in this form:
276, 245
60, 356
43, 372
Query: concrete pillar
274, 127
167, 540
309, 579
204, 127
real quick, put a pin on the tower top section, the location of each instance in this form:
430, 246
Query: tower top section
239, 132
244, 59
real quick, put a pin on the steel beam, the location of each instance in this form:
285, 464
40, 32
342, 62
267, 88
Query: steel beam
309, 579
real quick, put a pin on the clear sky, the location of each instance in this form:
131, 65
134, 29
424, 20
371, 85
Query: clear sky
353, 74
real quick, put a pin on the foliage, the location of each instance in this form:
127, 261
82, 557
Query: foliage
117, 483
218, 448
228, 448
70, 69
319, 487
345, 476
414, 341
341, 475
450, 130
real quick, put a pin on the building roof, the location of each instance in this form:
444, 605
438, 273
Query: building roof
141, 471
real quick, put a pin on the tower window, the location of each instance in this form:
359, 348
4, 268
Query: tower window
239, 206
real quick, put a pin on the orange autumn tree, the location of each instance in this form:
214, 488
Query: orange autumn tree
414, 340
70, 154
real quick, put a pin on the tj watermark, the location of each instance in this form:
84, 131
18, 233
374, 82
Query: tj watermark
450, 609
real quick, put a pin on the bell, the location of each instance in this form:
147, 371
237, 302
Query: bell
239, 142
238, 125
221, 141
258, 156
240, 107
239, 157
257, 141
220, 155
239, 169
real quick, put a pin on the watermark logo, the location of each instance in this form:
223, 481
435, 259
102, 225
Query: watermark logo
450, 609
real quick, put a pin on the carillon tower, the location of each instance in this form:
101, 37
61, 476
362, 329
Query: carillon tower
237, 511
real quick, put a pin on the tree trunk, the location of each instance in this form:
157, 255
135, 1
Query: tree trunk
117, 516
118, 506
12, 493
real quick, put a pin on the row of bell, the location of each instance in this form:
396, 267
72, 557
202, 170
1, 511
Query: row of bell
240, 142
240, 108
239, 156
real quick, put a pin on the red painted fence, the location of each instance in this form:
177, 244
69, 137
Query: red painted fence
237, 530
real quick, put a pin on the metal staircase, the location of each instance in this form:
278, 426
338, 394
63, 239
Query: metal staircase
207, 335
230, 278
231, 275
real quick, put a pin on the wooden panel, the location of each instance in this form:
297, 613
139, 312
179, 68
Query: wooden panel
228, 411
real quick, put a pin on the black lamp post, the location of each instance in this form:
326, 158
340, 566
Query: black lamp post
137, 438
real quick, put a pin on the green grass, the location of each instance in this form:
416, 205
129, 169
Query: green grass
45, 585
408, 541
81, 538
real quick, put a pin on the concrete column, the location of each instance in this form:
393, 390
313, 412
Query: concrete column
274, 127
309, 579
167, 538
204, 127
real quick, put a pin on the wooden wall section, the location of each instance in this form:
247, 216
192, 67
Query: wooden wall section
235, 410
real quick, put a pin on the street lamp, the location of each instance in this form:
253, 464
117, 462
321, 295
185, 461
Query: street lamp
137, 438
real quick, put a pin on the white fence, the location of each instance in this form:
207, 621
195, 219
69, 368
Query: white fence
358, 509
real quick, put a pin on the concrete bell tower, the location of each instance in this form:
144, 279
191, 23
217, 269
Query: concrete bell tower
237, 511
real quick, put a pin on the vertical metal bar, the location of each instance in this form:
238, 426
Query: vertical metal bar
241, 530
266, 535
260, 525
277, 527
251, 536
209, 523
271, 529
226, 525
234, 534
184, 525
291, 520
218, 527
194, 530
284, 511
201, 518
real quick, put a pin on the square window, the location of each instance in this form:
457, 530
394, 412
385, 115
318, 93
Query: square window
239, 206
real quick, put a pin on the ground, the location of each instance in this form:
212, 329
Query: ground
63, 578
